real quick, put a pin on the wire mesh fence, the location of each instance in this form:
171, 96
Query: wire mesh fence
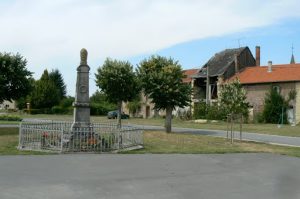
65, 137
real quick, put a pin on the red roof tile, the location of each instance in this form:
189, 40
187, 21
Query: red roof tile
260, 74
188, 74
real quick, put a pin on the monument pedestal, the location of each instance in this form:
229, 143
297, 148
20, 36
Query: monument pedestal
82, 130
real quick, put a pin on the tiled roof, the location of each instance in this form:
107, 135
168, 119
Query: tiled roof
260, 74
188, 74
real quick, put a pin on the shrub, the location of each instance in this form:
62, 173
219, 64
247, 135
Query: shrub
274, 107
215, 112
39, 111
60, 110
10, 118
210, 112
258, 118
67, 102
200, 110
101, 108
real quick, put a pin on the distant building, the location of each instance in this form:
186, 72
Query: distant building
222, 66
259, 80
7, 105
147, 107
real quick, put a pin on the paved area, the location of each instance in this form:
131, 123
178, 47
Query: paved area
229, 176
271, 139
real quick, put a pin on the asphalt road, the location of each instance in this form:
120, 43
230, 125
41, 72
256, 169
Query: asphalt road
228, 176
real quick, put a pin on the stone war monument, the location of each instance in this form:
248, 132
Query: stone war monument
82, 100
80, 135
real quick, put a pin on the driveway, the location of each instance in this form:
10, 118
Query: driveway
228, 176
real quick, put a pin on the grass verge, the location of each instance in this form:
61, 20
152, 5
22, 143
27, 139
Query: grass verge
161, 142
271, 129
9, 138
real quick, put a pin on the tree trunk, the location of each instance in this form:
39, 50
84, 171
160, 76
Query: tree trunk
119, 114
168, 121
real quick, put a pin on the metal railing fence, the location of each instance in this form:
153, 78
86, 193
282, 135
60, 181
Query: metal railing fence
63, 137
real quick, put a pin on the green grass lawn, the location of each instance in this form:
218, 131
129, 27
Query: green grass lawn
163, 143
285, 130
9, 138
272, 129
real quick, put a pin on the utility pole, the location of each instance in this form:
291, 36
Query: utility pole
207, 86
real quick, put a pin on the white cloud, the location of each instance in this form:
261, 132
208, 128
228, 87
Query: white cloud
47, 32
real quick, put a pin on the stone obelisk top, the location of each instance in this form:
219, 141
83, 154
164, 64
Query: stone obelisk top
82, 100
83, 56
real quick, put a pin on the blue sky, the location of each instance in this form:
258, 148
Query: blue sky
276, 43
50, 34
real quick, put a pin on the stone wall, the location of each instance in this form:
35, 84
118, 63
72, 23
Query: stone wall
298, 103
256, 94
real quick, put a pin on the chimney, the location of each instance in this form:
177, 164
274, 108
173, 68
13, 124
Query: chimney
269, 66
236, 65
257, 55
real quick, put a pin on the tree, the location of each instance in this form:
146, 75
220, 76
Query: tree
100, 104
58, 80
118, 81
14, 77
45, 93
161, 80
233, 98
275, 108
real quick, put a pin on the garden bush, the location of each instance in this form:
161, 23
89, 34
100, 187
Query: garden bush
10, 118
275, 106
200, 110
61, 110
210, 112
101, 108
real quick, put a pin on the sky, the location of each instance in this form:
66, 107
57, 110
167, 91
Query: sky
51, 33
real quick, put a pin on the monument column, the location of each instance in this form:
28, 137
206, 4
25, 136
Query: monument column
82, 100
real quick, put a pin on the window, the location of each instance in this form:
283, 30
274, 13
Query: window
277, 88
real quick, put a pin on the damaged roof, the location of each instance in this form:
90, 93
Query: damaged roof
219, 63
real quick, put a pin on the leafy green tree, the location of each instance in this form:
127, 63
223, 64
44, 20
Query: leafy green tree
14, 77
98, 97
58, 80
100, 105
161, 80
67, 102
233, 98
275, 106
45, 93
118, 81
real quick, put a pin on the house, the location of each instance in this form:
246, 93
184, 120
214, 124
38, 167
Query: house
146, 109
7, 105
220, 67
257, 81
